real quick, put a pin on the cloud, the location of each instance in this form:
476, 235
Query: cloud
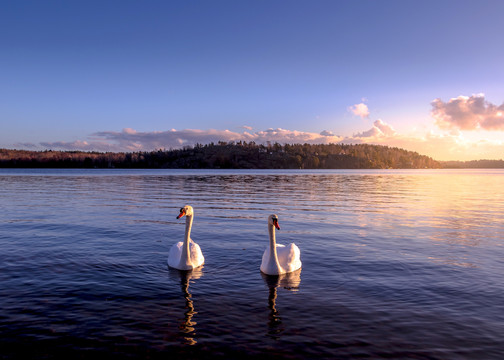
81, 145
130, 140
129, 131
294, 137
247, 127
360, 110
453, 117
450, 146
446, 145
468, 113
379, 129
26, 145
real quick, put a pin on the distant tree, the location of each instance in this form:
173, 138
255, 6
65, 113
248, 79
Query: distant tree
236, 155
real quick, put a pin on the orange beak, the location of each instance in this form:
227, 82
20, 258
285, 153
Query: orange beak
182, 213
275, 222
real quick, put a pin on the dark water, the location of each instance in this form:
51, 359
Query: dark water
396, 265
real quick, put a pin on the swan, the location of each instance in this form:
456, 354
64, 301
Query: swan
186, 255
279, 259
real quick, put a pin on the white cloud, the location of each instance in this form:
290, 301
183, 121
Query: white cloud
468, 113
360, 110
247, 127
293, 136
379, 129
444, 146
441, 146
132, 140
458, 114
81, 145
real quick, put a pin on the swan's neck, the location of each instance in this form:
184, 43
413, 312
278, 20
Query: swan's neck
273, 260
272, 299
186, 256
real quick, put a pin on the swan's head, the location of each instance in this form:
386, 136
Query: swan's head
185, 211
273, 220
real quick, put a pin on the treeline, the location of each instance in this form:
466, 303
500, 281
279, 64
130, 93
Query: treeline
474, 164
223, 155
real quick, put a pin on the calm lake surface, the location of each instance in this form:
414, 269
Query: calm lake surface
397, 264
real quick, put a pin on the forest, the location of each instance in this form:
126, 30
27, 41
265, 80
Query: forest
224, 155
474, 164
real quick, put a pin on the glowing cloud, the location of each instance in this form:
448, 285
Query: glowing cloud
453, 117
294, 137
379, 129
468, 113
360, 110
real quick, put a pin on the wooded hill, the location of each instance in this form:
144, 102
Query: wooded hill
240, 155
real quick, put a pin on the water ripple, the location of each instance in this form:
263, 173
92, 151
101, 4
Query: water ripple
396, 264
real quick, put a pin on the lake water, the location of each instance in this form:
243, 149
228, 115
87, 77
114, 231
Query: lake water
397, 264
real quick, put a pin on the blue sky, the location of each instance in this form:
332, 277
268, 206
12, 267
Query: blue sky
139, 75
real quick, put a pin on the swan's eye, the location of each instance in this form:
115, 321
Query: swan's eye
181, 209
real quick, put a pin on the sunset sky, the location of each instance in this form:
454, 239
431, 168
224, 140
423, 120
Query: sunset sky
122, 75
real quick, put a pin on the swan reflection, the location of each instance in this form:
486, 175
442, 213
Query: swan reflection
187, 326
290, 282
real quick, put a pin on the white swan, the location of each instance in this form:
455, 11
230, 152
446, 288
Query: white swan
186, 255
279, 259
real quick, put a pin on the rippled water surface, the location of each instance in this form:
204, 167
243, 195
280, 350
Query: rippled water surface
396, 264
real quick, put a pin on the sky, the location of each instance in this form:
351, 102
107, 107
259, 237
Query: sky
426, 76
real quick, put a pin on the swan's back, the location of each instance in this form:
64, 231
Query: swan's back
195, 254
175, 254
197, 257
289, 259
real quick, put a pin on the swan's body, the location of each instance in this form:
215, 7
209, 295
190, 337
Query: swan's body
279, 259
186, 255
